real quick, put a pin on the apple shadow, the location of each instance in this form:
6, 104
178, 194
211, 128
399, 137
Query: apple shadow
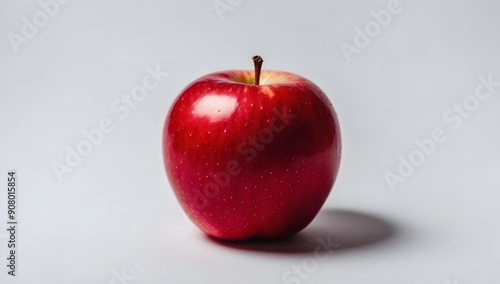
331, 230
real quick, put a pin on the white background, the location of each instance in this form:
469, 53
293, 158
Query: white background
114, 219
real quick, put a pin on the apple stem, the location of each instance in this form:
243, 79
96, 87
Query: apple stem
257, 62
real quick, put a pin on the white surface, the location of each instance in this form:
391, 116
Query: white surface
115, 213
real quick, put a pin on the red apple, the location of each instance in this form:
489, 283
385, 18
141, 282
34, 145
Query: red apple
251, 154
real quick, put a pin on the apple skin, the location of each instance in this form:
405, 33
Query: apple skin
248, 160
